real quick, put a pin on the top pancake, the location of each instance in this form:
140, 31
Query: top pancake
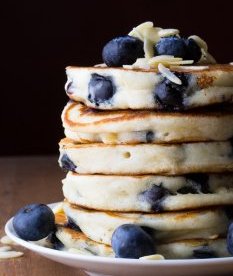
134, 88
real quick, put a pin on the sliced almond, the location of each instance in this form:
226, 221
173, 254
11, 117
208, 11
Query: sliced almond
168, 32
141, 63
138, 31
7, 240
5, 248
146, 30
182, 62
193, 68
102, 65
148, 48
127, 66
206, 58
168, 74
200, 42
153, 257
10, 254
163, 58
213, 237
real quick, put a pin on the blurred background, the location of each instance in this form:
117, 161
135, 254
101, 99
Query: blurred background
40, 38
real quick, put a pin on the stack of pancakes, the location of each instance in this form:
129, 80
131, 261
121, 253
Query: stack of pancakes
131, 162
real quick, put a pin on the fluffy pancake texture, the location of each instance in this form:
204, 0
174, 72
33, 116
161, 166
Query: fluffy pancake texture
139, 193
167, 227
76, 240
149, 142
135, 88
86, 125
147, 158
186, 249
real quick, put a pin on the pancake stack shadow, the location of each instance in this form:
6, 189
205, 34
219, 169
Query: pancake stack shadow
132, 159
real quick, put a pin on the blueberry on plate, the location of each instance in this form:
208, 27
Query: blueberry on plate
170, 95
34, 222
100, 89
230, 239
193, 50
174, 46
132, 242
123, 50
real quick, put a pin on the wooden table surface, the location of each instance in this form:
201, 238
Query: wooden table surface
25, 180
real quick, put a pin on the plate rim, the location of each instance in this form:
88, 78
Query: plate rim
9, 230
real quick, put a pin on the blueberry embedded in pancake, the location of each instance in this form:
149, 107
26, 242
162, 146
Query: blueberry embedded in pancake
167, 227
169, 95
181, 249
140, 159
72, 225
87, 125
67, 164
150, 136
101, 89
176, 250
148, 193
155, 196
55, 242
197, 183
208, 85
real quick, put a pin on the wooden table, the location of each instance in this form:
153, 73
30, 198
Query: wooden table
25, 180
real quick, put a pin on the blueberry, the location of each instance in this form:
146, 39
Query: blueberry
70, 87
169, 95
67, 164
154, 196
132, 242
100, 89
193, 50
34, 222
229, 212
204, 253
196, 183
173, 46
199, 181
122, 50
71, 224
230, 239
187, 190
55, 242
150, 136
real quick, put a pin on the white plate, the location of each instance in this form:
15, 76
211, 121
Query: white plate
125, 267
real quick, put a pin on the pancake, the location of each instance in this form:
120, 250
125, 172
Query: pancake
148, 193
86, 125
146, 158
165, 227
134, 88
187, 249
73, 239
